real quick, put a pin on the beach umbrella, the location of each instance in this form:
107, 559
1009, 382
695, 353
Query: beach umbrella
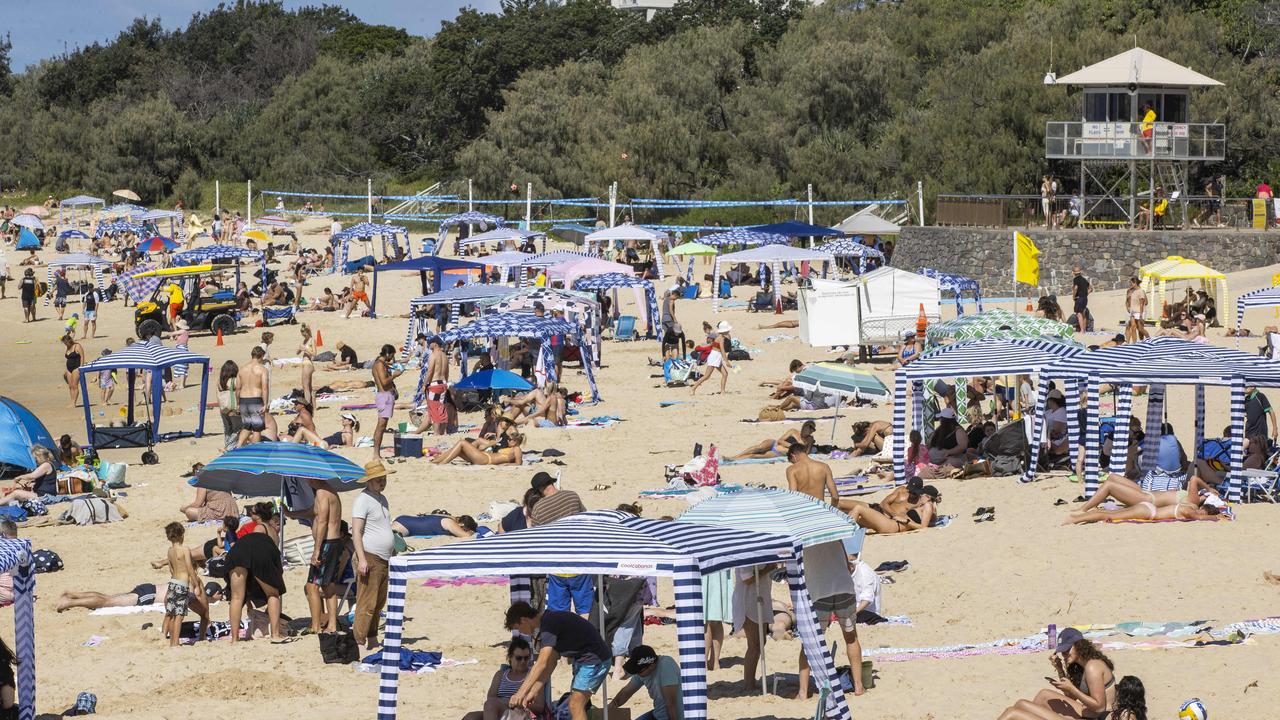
20, 430
692, 248
37, 210
27, 240
779, 512
70, 234
258, 235
833, 378
127, 195
27, 220
275, 468
495, 379
159, 243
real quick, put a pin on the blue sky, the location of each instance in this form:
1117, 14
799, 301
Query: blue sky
43, 28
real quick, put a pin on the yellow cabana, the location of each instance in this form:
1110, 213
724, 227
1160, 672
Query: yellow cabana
1157, 278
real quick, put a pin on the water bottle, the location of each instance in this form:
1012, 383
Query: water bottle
1053, 637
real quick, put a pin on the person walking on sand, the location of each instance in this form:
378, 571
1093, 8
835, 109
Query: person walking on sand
717, 357
253, 386
384, 397
1135, 305
326, 558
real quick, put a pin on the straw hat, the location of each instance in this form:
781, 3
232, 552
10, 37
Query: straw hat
375, 469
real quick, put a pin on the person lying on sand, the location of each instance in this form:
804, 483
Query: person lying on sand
868, 437
781, 324
505, 452
785, 387
140, 596
462, 526
914, 509
778, 448
1197, 502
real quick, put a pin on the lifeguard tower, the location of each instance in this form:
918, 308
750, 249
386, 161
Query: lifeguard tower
1110, 137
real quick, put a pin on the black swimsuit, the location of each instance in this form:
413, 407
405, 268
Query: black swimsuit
73, 360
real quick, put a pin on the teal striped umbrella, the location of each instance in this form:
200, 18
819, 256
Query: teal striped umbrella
780, 512
268, 469
833, 378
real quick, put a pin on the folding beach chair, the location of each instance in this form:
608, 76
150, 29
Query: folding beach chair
1260, 485
625, 328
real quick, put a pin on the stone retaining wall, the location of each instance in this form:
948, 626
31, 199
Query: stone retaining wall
1108, 257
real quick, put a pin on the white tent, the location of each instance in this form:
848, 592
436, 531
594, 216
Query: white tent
1138, 67
873, 309
865, 223
772, 255
627, 233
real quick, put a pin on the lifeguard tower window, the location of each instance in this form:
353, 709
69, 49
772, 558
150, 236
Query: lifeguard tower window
1102, 106
1170, 107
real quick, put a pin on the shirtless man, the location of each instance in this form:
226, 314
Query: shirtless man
1135, 305
809, 476
326, 558
359, 286
384, 397
909, 507
254, 386
437, 386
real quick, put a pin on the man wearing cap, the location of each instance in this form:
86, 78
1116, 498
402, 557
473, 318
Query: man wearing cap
563, 591
373, 541
660, 676
437, 386
830, 580
560, 635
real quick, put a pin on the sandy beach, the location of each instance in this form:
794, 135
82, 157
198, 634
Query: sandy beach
967, 583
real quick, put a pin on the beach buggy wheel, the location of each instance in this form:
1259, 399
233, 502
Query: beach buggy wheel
224, 324
149, 328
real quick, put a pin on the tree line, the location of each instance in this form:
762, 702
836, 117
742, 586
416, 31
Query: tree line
714, 99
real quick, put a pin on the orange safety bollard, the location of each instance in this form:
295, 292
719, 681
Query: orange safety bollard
319, 339
219, 337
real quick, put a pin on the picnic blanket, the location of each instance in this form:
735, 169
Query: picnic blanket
457, 582
754, 461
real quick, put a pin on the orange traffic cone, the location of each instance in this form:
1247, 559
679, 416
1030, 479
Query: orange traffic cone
219, 337
1164, 312
319, 339
1029, 308
777, 305
922, 322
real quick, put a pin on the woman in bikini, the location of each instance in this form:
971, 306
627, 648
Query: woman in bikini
346, 437
506, 451
779, 447
308, 352
869, 436
75, 355
1085, 688
1199, 501
923, 508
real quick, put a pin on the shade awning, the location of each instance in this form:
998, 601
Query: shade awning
1138, 67
776, 253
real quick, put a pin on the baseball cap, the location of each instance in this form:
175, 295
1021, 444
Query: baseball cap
915, 486
1066, 639
541, 480
931, 491
641, 657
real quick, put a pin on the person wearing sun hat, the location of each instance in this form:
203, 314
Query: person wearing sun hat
373, 540
948, 443
717, 356
660, 676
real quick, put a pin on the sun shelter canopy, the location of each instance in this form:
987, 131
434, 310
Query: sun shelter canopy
692, 248
20, 431
973, 358
957, 285
367, 231
218, 254
772, 255
471, 217
998, 323
1155, 363
502, 235
506, 258
148, 357
795, 228
580, 308
1266, 297
568, 272
123, 210
866, 223
119, 227
79, 200
82, 261
437, 266
612, 281
604, 543
743, 236
15, 558
850, 247
1157, 276
153, 215
455, 297
778, 512
1137, 67
520, 325
572, 232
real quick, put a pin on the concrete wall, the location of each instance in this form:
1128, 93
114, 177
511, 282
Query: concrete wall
1108, 257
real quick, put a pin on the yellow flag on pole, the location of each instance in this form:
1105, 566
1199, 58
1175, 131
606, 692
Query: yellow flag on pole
1026, 260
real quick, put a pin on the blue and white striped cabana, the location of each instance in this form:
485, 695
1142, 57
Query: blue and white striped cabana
419, 323
987, 356
504, 235
613, 281
144, 357
628, 233
601, 543
852, 247
1154, 363
957, 285
368, 231
743, 236
15, 558
1266, 297
521, 325
82, 261
119, 227
470, 217
504, 261
213, 254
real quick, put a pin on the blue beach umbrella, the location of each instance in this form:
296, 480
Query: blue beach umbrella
68, 234
493, 380
269, 469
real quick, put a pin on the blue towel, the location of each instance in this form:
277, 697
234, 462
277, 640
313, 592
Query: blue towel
411, 660
753, 461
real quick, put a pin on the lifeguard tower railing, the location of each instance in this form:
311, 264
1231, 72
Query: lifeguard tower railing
1124, 141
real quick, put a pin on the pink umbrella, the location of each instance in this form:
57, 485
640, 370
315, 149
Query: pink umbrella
37, 210
574, 269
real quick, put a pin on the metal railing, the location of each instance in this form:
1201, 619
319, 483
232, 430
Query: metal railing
1134, 141
1101, 212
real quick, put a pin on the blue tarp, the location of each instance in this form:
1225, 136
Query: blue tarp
20, 429
795, 228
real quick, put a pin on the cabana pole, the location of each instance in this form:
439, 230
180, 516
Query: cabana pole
604, 687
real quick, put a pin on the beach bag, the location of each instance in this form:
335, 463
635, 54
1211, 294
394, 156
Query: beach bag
738, 354
46, 561
338, 648
90, 511
771, 413
326, 356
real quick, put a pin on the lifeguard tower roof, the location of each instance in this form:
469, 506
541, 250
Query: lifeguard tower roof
1137, 67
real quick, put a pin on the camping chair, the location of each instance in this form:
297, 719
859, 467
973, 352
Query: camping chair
1262, 483
762, 302
298, 550
676, 372
272, 316
691, 292
625, 328
1273, 343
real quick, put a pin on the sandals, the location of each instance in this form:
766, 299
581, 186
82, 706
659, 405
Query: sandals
1059, 501
983, 511
989, 517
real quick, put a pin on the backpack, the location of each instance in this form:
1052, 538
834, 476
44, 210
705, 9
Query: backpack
45, 561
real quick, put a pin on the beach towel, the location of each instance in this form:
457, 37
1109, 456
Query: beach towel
458, 582
358, 406
410, 660
788, 420
754, 461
